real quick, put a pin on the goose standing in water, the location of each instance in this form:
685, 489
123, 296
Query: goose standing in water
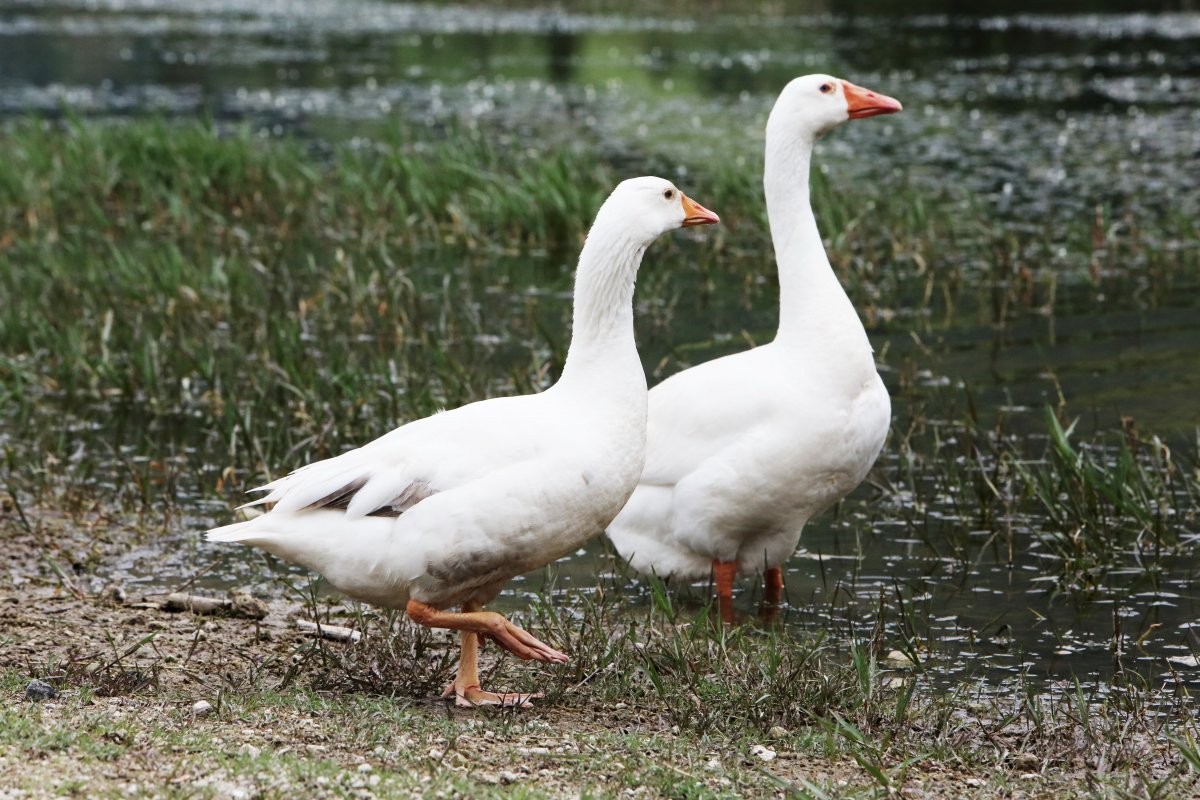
743, 450
443, 511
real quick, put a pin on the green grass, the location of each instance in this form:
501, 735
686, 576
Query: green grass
267, 301
1115, 499
657, 699
185, 255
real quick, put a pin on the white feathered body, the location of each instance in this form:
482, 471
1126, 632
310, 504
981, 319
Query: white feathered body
500, 486
742, 451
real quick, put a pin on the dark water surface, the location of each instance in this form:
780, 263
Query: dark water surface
1043, 118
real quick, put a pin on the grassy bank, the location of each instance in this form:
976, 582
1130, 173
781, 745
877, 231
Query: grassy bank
658, 703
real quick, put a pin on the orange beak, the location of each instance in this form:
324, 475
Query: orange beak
696, 214
865, 103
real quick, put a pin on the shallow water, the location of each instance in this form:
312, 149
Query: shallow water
1033, 117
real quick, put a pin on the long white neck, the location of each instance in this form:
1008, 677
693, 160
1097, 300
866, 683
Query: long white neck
603, 350
812, 304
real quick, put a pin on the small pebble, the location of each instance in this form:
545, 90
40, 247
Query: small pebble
114, 593
39, 690
244, 604
202, 708
364, 767
1025, 761
763, 752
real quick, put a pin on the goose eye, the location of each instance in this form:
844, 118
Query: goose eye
668, 193
826, 88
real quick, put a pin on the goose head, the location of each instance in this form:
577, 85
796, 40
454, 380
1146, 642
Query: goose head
813, 105
648, 207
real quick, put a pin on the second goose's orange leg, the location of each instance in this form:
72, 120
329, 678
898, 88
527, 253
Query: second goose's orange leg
723, 573
772, 594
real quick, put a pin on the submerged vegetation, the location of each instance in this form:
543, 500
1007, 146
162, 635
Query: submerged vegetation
218, 276
186, 307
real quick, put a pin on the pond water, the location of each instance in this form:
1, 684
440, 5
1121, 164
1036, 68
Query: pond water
1040, 118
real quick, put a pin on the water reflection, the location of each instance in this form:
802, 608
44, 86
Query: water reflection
1043, 114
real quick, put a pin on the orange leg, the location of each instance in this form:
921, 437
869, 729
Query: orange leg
772, 594
773, 585
472, 624
724, 572
489, 624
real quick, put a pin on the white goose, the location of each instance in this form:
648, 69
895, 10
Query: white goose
445, 510
742, 451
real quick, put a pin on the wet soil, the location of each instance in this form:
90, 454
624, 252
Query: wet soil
129, 674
